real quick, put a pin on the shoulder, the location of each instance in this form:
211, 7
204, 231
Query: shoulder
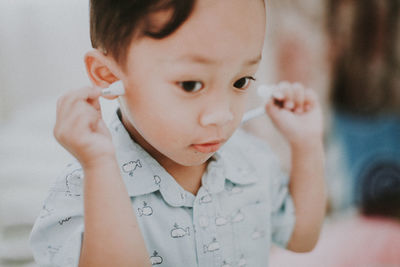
69, 181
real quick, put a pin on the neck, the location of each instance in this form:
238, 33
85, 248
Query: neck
189, 177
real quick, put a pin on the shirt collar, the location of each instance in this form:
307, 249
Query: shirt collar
229, 163
142, 174
238, 168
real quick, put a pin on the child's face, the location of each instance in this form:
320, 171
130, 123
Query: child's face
186, 94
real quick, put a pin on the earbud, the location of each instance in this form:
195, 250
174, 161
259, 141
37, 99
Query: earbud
115, 89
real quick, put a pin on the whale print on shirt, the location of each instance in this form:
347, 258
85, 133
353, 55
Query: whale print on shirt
242, 261
157, 179
237, 216
178, 232
61, 222
220, 221
53, 250
205, 199
156, 259
131, 166
257, 234
73, 181
212, 246
146, 210
233, 189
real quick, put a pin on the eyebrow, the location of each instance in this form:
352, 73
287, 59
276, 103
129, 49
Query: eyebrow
200, 59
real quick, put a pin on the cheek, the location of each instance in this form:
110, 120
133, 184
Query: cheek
159, 117
239, 106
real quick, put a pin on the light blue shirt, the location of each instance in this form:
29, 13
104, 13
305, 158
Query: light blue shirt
242, 205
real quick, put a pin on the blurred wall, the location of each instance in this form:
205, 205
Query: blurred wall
42, 44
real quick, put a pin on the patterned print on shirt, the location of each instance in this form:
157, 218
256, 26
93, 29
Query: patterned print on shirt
157, 180
146, 210
52, 250
237, 216
257, 234
178, 232
221, 221
242, 261
131, 166
73, 181
212, 246
205, 199
156, 259
61, 222
233, 189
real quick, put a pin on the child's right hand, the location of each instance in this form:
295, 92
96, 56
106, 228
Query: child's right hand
80, 128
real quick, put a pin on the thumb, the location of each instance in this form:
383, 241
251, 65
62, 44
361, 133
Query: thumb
272, 109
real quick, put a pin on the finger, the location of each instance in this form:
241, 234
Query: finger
310, 99
95, 103
67, 120
87, 92
278, 94
279, 91
66, 102
287, 90
298, 97
81, 94
84, 111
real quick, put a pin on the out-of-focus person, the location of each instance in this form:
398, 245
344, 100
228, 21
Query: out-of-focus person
364, 41
370, 236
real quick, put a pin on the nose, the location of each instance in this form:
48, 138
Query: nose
217, 113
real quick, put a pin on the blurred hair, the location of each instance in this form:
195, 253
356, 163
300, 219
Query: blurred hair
114, 23
365, 36
379, 190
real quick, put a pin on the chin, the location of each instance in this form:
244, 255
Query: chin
195, 161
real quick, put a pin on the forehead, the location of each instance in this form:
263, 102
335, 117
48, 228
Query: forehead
223, 30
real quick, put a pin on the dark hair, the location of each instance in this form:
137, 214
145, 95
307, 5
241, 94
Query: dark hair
365, 36
114, 23
379, 190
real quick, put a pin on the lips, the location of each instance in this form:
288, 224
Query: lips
209, 147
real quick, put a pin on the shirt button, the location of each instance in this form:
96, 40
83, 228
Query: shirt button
203, 221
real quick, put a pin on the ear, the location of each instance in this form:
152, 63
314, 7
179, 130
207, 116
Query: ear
100, 69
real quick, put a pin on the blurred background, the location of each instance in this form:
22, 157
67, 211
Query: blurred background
348, 51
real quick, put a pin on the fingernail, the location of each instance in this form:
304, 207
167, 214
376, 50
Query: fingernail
277, 95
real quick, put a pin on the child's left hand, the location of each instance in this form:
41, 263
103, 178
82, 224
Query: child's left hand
296, 113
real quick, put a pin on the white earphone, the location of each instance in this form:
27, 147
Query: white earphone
115, 89
265, 92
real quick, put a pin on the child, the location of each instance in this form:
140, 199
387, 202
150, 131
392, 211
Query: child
158, 187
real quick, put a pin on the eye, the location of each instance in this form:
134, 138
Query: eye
191, 86
243, 83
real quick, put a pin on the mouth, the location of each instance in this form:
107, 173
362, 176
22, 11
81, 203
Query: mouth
208, 147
